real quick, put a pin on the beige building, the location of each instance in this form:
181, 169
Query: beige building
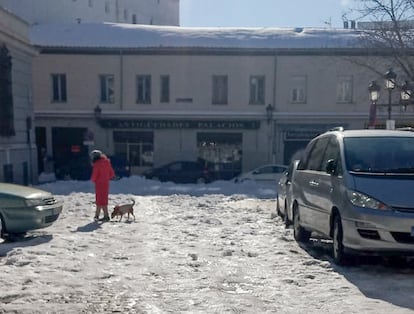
156, 12
233, 98
18, 160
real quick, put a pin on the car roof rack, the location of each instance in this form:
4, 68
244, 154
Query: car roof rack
337, 128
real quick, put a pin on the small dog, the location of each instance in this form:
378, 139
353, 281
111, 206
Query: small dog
120, 210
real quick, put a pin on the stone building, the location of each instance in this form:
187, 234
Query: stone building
236, 98
18, 161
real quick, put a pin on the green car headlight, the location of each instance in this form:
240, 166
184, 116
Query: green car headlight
365, 201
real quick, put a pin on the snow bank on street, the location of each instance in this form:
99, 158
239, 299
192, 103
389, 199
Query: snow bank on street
214, 248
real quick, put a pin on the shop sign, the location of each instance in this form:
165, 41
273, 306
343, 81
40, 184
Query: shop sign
177, 124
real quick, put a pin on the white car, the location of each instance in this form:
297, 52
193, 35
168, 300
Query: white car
266, 174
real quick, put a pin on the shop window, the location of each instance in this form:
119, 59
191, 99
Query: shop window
59, 88
136, 147
143, 89
221, 153
107, 88
220, 88
257, 90
6, 95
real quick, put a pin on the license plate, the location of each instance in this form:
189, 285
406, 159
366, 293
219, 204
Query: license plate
412, 231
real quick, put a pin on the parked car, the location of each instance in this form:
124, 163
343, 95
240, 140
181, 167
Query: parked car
270, 173
180, 172
121, 166
355, 187
284, 194
25, 208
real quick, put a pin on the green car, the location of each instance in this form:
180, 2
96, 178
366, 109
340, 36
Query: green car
25, 208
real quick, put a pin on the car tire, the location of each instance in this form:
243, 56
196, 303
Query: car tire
338, 250
2, 227
286, 218
279, 213
299, 233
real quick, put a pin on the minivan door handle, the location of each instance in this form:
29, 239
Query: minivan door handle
313, 183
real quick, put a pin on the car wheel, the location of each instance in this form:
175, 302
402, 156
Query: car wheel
2, 227
299, 233
286, 217
279, 213
339, 255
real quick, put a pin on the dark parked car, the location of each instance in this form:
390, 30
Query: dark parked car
180, 172
121, 166
25, 208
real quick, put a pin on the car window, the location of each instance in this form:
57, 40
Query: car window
176, 167
332, 152
314, 161
262, 170
379, 154
277, 169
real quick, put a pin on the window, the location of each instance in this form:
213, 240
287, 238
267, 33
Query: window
219, 90
257, 90
298, 93
316, 154
107, 88
344, 89
59, 88
90, 3
143, 89
6, 95
165, 88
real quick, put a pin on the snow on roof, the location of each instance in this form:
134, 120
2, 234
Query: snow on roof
111, 35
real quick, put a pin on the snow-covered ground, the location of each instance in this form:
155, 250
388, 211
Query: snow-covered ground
214, 248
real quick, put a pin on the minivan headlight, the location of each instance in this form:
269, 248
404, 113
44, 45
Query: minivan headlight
365, 201
34, 202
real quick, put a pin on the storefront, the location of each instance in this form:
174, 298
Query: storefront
150, 143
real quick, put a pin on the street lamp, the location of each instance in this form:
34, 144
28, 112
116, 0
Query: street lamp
406, 92
390, 83
269, 112
97, 111
374, 90
390, 78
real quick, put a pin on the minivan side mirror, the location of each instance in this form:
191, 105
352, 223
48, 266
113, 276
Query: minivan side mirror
331, 166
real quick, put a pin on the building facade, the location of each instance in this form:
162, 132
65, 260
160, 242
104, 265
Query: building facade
18, 162
151, 12
234, 108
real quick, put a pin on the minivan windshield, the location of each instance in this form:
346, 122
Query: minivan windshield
388, 154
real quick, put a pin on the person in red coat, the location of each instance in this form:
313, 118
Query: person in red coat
102, 173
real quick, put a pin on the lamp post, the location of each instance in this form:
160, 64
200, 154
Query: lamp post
373, 89
269, 118
390, 78
390, 84
269, 113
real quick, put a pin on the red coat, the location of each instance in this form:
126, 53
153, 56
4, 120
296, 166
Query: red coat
102, 173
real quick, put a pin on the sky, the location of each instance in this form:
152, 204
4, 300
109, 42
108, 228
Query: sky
264, 13
192, 248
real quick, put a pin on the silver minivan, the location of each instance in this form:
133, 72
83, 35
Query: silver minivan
356, 187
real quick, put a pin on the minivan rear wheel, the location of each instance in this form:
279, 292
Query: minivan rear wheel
299, 233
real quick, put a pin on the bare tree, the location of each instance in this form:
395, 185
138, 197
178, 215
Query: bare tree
387, 32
